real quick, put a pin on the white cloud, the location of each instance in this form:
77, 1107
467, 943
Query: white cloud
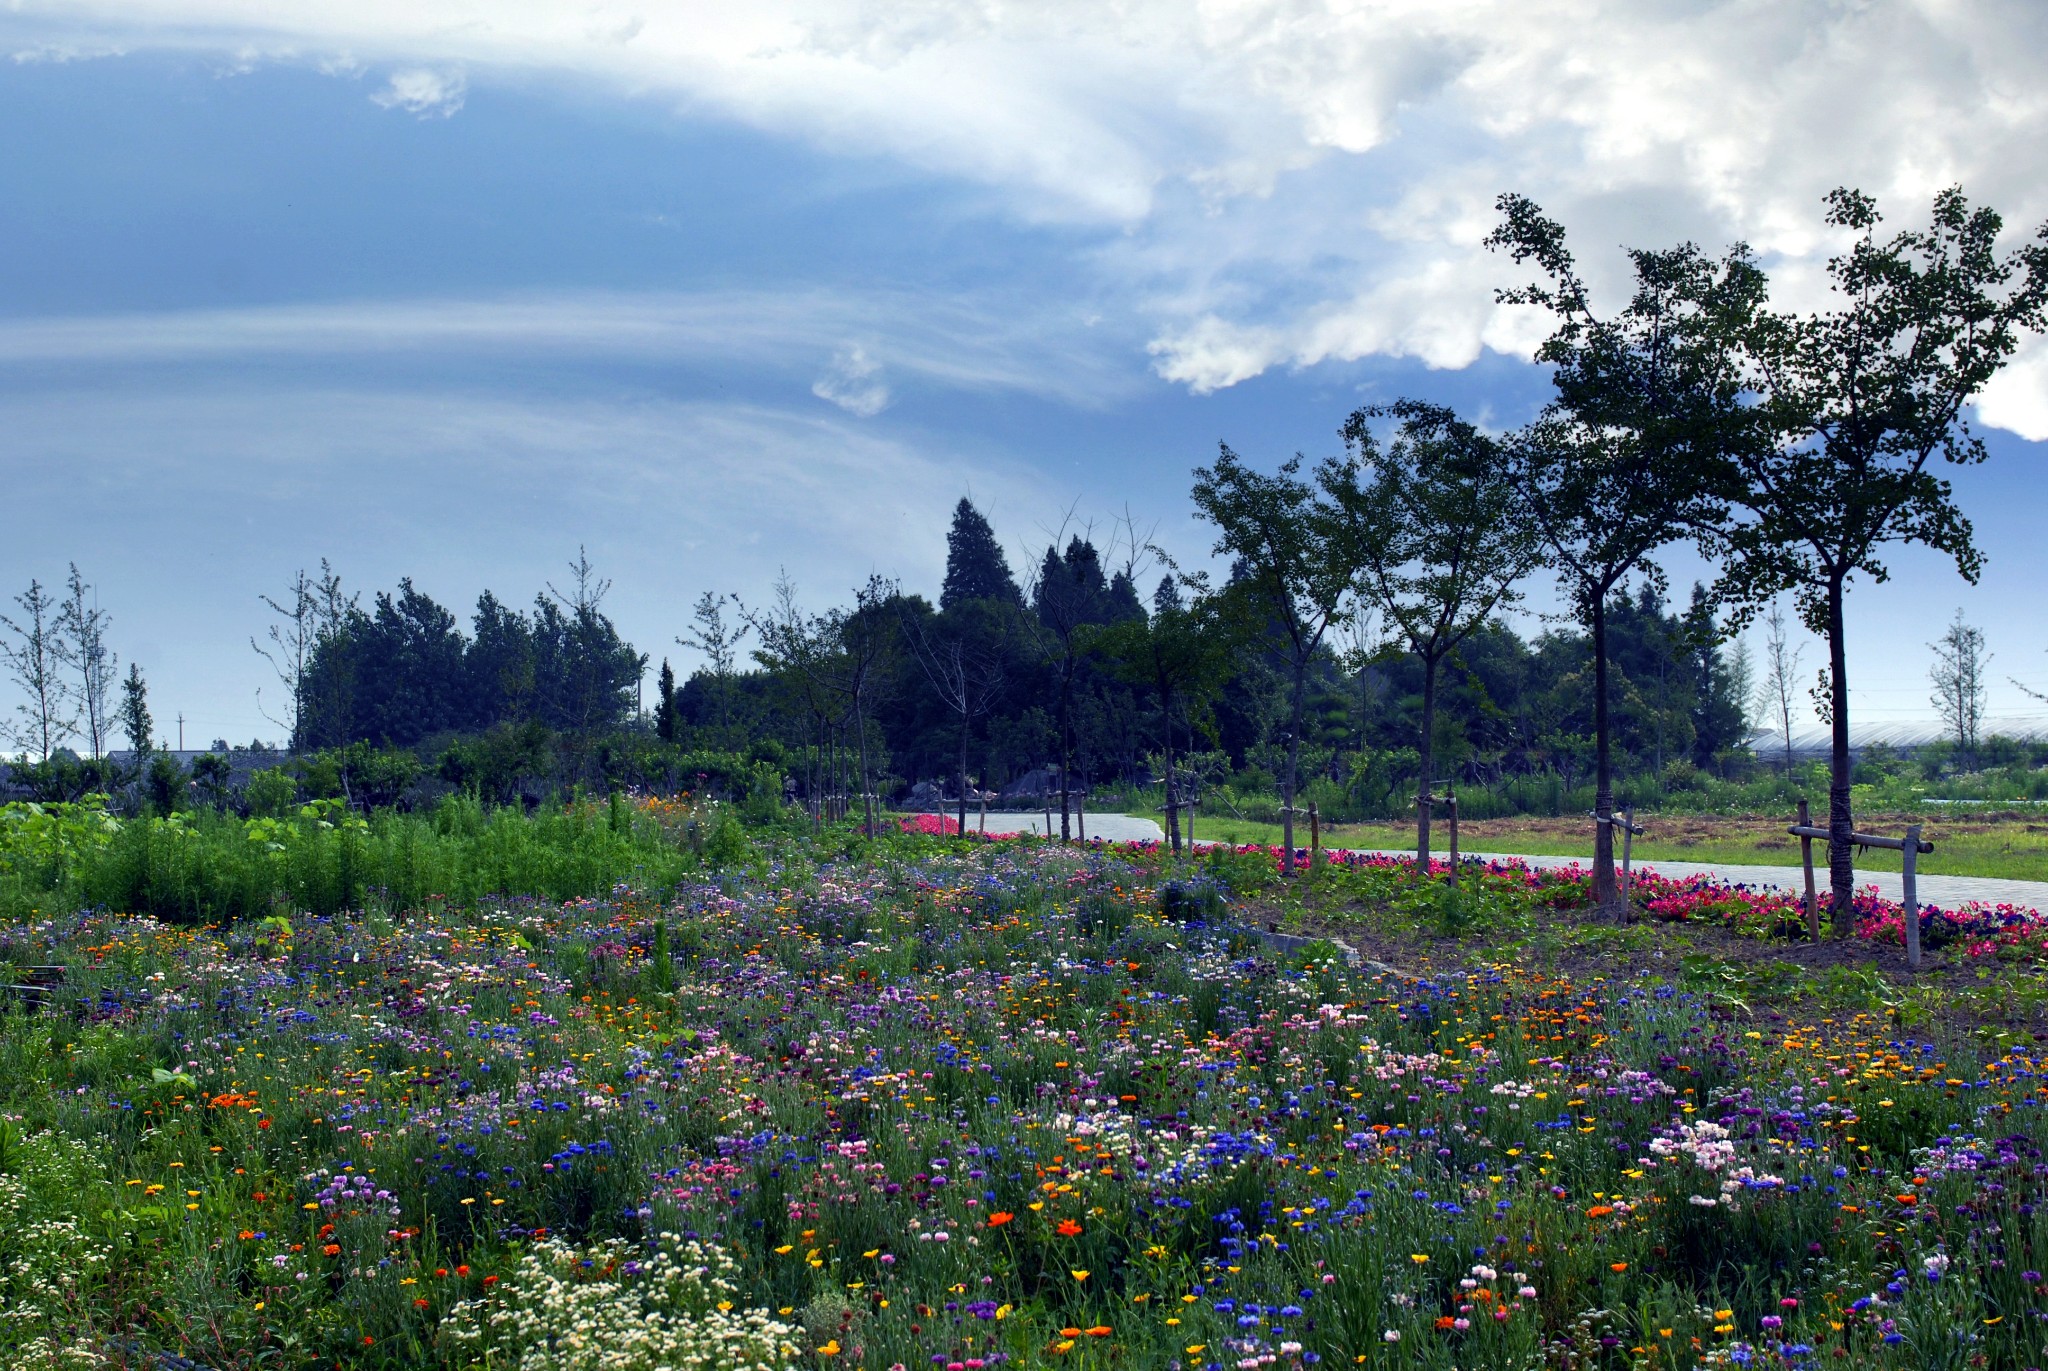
854, 383
427, 94
1284, 181
2017, 398
990, 342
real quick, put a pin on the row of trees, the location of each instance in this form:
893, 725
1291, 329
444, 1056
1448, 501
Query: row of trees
56, 651
402, 671
1791, 448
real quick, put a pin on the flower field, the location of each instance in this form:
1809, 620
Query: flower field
965, 1104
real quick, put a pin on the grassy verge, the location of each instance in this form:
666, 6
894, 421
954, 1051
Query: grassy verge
2013, 847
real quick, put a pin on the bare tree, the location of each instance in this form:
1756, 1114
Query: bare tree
292, 640
1958, 680
1780, 677
82, 626
962, 660
35, 659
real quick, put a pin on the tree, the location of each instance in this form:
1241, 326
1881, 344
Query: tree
720, 643
595, 673
1069, 595
864, 636
320, 665
1182, 653
961, 656
1959, 686
35, 659
134, 713
1622, 462
665, 704
794, 647
292, 641
1780, 678
1858, 401
82, 627
1292, 541
975, 566
499, 665
1433, 529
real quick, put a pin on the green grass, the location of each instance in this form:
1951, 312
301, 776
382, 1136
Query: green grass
2005, 849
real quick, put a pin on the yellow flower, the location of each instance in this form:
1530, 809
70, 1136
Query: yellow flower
1195, 1348
1419, 1258
785, 1249
830, 1349
1078, 1275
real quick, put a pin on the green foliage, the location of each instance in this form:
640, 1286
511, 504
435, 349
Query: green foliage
271, 793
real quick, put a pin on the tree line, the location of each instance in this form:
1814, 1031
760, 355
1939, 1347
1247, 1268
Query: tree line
1355, 628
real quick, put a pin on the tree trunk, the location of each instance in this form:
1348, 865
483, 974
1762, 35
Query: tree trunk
963, 772
867, 799
1172, 812
1426, 754
1066, 742
1293, 766
1604, 891
1841, 822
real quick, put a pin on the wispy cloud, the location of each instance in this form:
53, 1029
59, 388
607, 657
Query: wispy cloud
423, 92
964, 342
854, 383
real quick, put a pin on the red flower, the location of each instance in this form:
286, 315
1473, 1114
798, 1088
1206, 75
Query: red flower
1068, 1229
999, 1218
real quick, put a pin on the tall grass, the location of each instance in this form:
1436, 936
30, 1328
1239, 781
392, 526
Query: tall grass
209, 868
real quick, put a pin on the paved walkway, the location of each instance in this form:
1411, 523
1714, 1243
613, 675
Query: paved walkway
1947, 891
1116, 828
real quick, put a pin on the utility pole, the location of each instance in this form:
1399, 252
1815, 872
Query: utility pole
181, 730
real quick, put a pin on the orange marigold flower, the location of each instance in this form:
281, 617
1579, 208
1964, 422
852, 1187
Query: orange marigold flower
332, 1249
1100, 1330
1068, 1229
999, 1218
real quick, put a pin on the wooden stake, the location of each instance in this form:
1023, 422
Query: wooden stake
1451, 812
1911, 854
1628, 842
1315, 834
1806, 860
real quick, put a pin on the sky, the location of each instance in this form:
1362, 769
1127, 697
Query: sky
448, 289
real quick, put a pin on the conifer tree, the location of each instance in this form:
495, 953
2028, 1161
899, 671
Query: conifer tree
975, 566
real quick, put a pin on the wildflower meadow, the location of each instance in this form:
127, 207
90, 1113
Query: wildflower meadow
763, 1099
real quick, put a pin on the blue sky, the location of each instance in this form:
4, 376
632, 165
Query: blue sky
446, 290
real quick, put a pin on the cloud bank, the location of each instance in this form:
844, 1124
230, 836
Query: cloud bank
1276, 183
